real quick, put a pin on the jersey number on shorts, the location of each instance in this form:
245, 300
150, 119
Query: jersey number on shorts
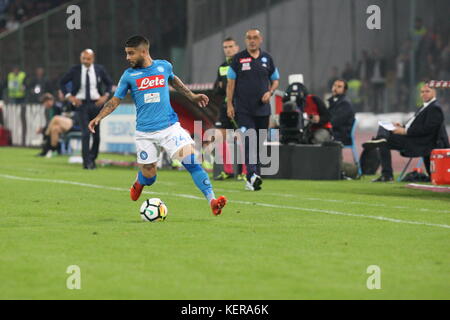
178, 140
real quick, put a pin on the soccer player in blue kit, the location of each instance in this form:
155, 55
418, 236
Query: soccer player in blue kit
157, 123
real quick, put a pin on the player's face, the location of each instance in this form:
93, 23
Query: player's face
230, 48
427, 93
338, 88
253, 40
135, 57
87, 59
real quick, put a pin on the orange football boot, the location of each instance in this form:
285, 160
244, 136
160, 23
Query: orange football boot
136, 190
217, 205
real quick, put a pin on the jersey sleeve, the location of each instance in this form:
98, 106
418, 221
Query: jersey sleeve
122, 88
274, 73
170, 71
231, 73
233, 69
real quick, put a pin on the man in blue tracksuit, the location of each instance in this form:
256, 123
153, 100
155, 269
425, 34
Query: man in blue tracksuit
252, 80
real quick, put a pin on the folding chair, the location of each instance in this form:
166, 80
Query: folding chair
441, 143
411, 158
65, 141
353, 147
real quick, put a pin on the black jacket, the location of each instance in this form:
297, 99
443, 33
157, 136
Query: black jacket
220, 86
55, 110
426, 131
44, 85
104, 82
342, 119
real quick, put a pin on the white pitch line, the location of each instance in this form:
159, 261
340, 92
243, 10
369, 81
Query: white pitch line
345, 214
378, 205
357, 203
339, 213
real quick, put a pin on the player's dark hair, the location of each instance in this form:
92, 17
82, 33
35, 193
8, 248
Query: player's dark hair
229, 39
136, 41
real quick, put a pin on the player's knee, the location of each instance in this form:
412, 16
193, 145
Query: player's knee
184, 152
146, 181
149, 170
53, 129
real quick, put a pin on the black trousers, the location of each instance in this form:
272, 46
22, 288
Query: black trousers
87, 112
394, 142
252, 161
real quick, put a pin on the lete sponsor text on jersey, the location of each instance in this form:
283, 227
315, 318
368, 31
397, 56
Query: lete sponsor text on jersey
245, 60
151, 82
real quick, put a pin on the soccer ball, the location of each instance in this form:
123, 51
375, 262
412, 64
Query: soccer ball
153, 210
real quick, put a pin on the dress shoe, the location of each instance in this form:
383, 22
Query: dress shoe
373, 144
384, 179
90, 166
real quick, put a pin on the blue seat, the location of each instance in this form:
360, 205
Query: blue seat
353, 147
65, 141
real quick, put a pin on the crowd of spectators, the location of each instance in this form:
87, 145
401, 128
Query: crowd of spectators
381, 82
25, 88
15, 12
378, 82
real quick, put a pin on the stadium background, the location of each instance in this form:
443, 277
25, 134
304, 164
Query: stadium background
304, 36
293, 240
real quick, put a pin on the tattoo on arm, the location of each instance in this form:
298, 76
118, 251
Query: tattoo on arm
109, 107
178, 85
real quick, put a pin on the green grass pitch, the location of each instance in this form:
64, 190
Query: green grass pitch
292, 240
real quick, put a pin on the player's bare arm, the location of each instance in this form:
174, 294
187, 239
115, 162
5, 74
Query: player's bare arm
200, 99
101, 101
274, 86
107, 109
231, 84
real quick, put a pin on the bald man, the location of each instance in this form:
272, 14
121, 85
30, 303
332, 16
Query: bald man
90, 89
252, 80
418, 137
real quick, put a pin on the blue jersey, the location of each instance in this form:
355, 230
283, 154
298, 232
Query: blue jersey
149, 89
253, 79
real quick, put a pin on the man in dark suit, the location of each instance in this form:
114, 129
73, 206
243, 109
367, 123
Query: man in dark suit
418, 137
342, 114
91, 88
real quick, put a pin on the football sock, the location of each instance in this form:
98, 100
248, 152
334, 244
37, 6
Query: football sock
224, 155
199, 176
146, 181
